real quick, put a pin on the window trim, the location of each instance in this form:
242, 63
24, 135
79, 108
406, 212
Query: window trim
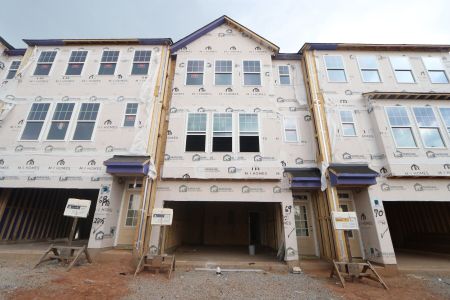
132, 62
43, 129
296, 130
232, 73
207, 129
94, 131
260, 74
69, 127
186, 73
352, 112
100, 63
398, 126
428, 70
233, 138
50, 72
438, 127
130, 193
308, 220
446, 126
344, 68
125, 114
84, 63
361, 69
9, 69
289, 75
410, 69
258, 117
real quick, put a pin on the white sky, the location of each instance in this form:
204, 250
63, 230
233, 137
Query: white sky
287, 23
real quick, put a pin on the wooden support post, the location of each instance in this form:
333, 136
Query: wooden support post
72, 231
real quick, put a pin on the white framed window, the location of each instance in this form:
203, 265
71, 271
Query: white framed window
87, 117
76, 62
194, 72
248, 132
252, 72
445, 114
290, 130
141, 62
15, 64
344, 208
222, 139
134, 202
223, 72
301, 220
347, 122
131, 111
60, 121
196, 132
368, 66
108, 63
428, 127
285, 77
335, 68
401, 127
44, 63
402, 69
35, 121
436, 69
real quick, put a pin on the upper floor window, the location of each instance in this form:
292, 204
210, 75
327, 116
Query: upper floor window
335, 68
195, 69
13, 69
402, 69
76, 62
196, 132
369, 68
141, 62
252, 72
285, 78
428, 127
445, 113
436, 70
223, 72
290, 129
60, 121
348, 123
222, 132
108, 63
401, 127
35, 121
44, 63
248, 133
86, 121
130, 114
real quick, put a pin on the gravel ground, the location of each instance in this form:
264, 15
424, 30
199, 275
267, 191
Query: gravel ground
230, 285
437, 282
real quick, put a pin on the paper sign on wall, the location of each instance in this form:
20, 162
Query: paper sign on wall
77, 208
345, 220
162, 216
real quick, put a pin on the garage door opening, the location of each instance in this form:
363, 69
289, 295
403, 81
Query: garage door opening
224, 230
36, 215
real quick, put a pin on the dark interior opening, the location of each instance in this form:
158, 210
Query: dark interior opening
249, 143
195, 143
222, 144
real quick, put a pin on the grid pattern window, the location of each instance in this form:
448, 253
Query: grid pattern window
196, 132
369, 69
76, 62
402, 69
13, 69
290, 130
35, 121
44, 63
301, 220
130, 114
223, 72
222, 132
86, 121
428, 127
195, 69
335, 68
252, 72
436, 70
401, 127
445, 114
60, 121
248, 133
285, 77
132, 210
141, 62
344, 208
348, 123
108, 63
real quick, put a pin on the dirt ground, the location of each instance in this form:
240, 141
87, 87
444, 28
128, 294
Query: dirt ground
111, 277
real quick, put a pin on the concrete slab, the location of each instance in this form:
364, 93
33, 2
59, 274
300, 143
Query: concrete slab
422, 261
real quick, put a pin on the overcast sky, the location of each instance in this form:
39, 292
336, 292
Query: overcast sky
287, 23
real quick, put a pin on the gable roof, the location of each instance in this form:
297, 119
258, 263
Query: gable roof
216, 23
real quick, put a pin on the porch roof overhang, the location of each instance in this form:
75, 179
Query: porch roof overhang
352, 175
124, 165
304, 178
407, 96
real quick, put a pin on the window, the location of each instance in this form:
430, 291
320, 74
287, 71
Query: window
248, 133
223, 72
290, 129
285, 78
44, 63
252, 72
222, 132
335, 68
35, 121
402, 69
141, 62
348, 123
194, 74
13, 69
436, 70
60, 121
130, 114
428, 127
196, 132
445, 113
86, 121
369, 68
344, 208
401, 127
132, 210
301, 220
108, 63
76, 62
